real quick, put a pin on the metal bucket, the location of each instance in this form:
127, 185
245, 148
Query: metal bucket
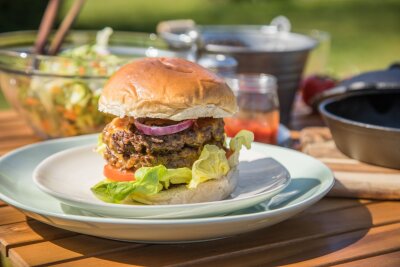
263, 50
270, 49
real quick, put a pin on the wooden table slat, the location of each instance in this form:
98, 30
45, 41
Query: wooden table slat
24, 233
17, 134
11, 215
332, 204
19, 234
7, 145
14, 132
323, 251
64, 249
294, 231
15, 126
11, 145
314, 252
8, 115
384, 260
342, 165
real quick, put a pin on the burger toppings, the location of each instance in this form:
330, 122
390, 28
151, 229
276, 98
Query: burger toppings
212, 163
128, 148
163, 130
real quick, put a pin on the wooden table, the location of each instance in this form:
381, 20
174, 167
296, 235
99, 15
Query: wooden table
342, 232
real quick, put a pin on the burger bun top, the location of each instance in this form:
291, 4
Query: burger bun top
167, 88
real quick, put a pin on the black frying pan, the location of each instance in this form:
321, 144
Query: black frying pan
365, 123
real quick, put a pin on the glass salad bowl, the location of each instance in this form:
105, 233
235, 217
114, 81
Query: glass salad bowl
58, 95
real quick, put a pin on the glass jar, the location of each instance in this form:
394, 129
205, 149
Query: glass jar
258, 103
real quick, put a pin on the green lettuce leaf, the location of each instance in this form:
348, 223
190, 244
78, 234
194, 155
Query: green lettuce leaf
112, 192
242, 138
212, 164
176, 176
146, 183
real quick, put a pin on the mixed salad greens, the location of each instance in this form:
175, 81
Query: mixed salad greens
213, 163
67, 106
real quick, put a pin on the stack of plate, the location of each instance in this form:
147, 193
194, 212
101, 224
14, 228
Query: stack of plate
51, 181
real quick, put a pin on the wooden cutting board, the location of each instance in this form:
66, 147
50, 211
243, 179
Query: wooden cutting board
353, 178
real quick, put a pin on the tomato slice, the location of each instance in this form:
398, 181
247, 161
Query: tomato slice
116, 175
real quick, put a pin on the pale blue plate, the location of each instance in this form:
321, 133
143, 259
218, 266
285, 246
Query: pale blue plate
69, 175
311, 180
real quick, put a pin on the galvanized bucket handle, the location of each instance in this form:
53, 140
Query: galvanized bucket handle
281, 24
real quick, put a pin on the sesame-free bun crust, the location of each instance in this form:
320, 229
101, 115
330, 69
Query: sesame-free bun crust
166, 88
211, 190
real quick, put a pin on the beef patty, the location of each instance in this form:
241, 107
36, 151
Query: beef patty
128, 148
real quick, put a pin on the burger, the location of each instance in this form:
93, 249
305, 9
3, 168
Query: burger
166, 144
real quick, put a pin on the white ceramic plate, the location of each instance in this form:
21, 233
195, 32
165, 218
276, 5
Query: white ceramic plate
69, 175
311, 180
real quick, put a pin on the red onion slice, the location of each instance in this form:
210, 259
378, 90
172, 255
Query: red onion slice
163, 130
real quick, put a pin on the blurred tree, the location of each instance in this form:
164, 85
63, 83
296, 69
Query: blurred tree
365, 33
21, 14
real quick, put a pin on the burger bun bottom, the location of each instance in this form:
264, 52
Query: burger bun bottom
212, 190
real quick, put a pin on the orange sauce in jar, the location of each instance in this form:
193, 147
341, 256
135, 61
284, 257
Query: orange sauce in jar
264, 125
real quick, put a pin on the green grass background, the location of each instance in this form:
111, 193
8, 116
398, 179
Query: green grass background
365, 33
